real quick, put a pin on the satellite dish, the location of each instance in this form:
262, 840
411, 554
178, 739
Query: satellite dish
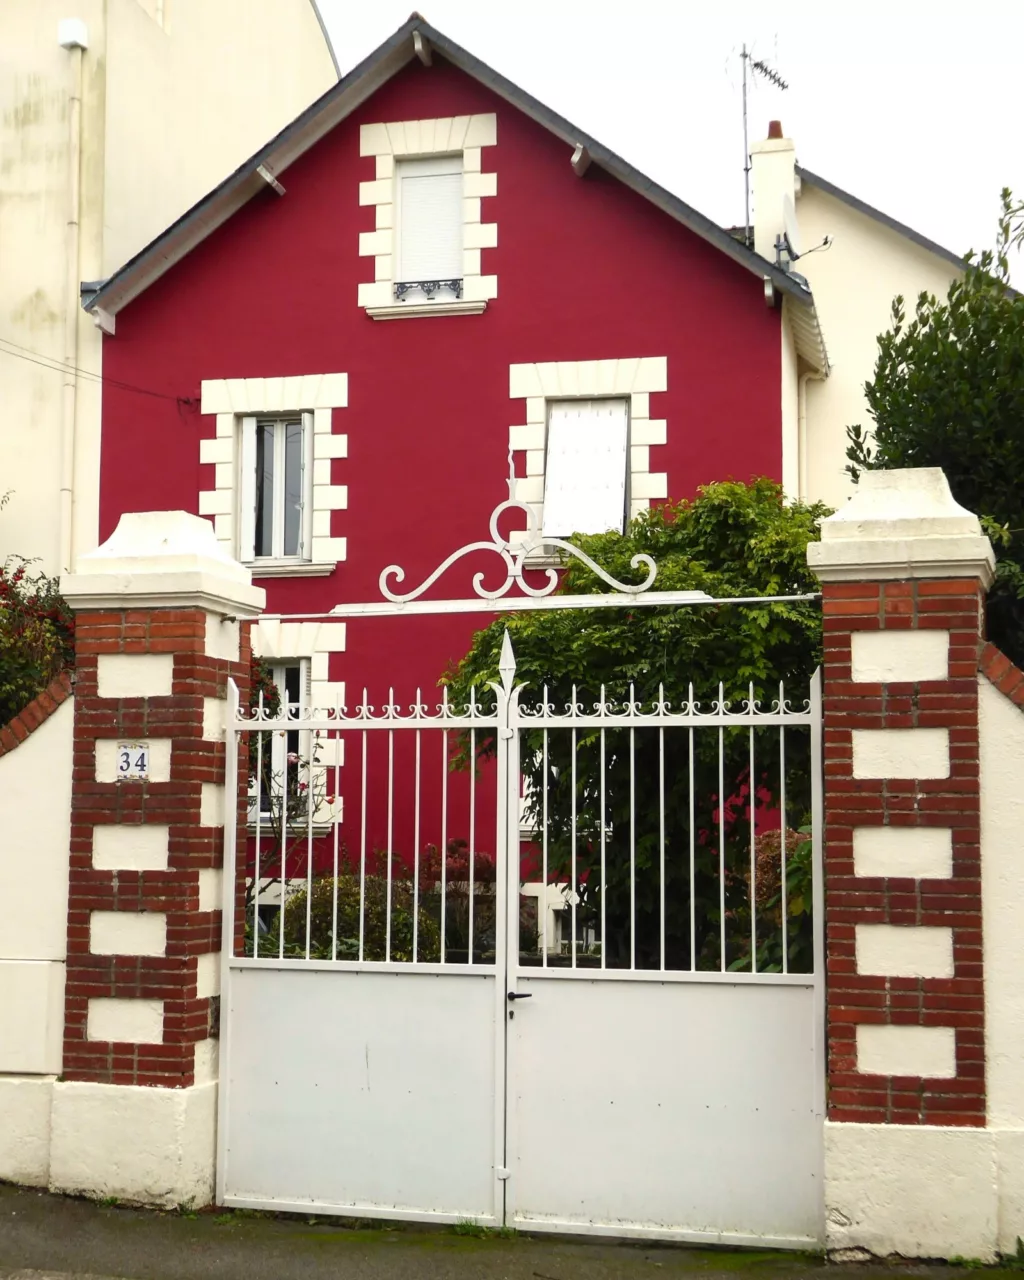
792, 229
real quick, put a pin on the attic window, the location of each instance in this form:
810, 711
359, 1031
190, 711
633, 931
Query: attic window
429, 234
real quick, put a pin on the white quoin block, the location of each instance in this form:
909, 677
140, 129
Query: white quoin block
211, 805
125, 1021
890, 657
208, 975
210, 888
130, 847
215, 712
913, 853
128, 933
134, 675
929, 1052
222, 638
901, 753
905, 951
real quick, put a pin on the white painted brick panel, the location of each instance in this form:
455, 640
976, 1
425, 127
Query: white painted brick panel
128, 933
901, 753
904, 951
884, 657
929, 1052
126, 1021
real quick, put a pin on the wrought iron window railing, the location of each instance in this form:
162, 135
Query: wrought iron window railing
429, 288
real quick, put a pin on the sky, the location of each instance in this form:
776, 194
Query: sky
913, 107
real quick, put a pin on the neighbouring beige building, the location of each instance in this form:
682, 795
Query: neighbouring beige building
115, 117
871, 259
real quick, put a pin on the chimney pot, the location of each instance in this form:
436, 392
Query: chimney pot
774, 128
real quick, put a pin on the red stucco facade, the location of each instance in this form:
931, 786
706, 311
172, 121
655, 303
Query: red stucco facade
587, 270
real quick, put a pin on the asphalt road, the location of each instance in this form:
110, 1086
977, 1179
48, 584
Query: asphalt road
44, 1237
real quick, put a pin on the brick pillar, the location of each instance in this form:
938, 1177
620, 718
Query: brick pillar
903, 572
160, 615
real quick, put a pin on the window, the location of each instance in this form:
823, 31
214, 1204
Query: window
277, 468
286, 755
585, 468
428, 233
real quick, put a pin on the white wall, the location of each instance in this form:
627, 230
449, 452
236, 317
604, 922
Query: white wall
168, 112
854, 283
35, 835
190, 100
1002, 888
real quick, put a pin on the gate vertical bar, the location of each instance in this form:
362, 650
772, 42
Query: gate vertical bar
506, 891
818, 889
227, 943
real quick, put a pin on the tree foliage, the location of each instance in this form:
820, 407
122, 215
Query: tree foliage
732, 540
948, 391
37, 635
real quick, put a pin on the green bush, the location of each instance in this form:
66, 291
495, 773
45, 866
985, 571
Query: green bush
321, 920
37, 635
732, 540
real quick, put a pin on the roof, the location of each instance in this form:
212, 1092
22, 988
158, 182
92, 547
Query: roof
814, 180
340, 101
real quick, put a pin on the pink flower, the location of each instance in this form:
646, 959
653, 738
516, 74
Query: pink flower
293, 757
303, 786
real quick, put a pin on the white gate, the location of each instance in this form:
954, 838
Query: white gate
402, 1037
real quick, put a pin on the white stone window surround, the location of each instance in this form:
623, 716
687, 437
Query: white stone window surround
313, 642
630, 378
408, 139
231, 400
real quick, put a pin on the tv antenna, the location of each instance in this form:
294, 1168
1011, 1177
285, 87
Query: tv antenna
757, 67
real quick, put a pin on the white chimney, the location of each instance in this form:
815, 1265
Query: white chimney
773, 177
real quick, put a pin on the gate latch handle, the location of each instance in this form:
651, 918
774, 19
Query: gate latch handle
520, 995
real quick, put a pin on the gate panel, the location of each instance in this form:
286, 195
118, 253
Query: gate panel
673, 1108
362, 1092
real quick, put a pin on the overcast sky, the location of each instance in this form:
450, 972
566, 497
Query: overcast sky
914, 107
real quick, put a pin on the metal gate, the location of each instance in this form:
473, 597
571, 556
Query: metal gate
644, 1061
550, 962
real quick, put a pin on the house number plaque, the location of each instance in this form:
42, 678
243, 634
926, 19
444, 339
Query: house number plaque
132, 760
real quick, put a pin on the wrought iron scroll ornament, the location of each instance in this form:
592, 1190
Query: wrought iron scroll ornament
514, 559
427, 287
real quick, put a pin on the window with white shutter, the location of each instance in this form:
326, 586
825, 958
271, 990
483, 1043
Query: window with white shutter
276, 510
585, 467
428, 229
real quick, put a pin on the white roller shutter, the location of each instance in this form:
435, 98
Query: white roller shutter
430, 219
585, 468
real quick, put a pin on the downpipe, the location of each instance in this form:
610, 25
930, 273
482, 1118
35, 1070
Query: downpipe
69, 408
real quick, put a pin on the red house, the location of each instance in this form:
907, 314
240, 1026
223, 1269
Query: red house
426, 277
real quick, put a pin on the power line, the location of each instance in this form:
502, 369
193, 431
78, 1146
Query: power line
57, 365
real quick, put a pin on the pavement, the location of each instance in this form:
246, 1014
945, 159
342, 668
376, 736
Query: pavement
46, 1237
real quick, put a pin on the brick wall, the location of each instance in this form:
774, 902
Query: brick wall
39, 709
937, 809
146, 875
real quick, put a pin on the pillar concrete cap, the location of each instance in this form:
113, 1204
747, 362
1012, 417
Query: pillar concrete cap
162, 560
900, 525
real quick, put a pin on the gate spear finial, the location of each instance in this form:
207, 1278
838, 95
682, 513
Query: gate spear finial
507, 663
